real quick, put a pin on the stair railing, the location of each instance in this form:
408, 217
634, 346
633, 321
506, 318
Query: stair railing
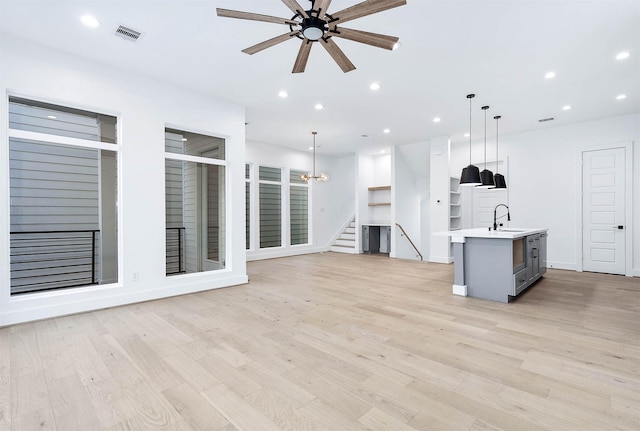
404, 233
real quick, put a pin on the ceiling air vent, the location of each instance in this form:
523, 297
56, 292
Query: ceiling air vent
542, 120
127, 33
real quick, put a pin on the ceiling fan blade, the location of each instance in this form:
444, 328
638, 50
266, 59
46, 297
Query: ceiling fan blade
321, 7
303, 57
226, 13
336, 53
374, 39
365, 8
269, 43
296, 8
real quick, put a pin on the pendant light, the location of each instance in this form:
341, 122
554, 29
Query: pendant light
498, 178
313, 176
470, 175
486, 176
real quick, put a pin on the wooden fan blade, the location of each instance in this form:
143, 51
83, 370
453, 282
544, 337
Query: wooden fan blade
269, 43
374, 39
321, 7
303, 56
296, 8
226, 13
365, 8
336, 53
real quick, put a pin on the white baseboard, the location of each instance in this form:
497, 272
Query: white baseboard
439, 259
562, 265
460, 290
283, 252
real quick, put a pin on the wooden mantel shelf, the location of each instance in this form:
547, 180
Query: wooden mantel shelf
379, 204
378, 188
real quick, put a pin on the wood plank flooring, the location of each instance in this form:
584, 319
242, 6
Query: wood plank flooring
336, 342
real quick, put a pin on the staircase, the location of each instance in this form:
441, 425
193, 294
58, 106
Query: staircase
346, 242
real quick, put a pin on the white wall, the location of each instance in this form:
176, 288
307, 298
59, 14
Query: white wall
544, 168
333, 202
143, 107
406, 208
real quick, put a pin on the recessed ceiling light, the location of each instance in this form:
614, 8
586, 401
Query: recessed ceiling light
375, 86
53, 117
623, 55
566, 107
550, 75
90, 21
436, 120
319, 106
621, 96
310, 148
283, 94
466, 135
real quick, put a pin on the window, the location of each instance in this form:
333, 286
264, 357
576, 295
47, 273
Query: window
298, 208
63, 189
270, 180
195, 183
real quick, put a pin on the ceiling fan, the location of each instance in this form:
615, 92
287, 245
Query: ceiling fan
316, 25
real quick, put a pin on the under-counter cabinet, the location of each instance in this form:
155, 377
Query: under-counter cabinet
497, 265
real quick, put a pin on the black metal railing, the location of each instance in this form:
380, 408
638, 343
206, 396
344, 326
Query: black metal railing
175, 251
46, 260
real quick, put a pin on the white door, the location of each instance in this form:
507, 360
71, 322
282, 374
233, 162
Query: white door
603, 211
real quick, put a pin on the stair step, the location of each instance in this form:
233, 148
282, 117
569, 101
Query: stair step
345, 242
348, 236
339, 249
350, 230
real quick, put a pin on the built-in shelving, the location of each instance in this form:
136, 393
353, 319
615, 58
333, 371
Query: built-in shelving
379, 199
454, 204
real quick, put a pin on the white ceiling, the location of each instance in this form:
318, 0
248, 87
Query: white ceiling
499, 50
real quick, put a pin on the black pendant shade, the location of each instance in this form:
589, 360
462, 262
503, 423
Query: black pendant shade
470, 175
487, 178
500, 182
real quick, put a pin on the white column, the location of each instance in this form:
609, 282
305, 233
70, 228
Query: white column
440, 250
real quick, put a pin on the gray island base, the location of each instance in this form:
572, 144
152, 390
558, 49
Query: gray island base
497, 265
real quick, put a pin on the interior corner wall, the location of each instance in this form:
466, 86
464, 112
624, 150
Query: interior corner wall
332, 201
543, 167
406, 209
143, 107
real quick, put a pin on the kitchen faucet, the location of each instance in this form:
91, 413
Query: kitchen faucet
495, 224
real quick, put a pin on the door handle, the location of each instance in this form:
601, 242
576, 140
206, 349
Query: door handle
619, 227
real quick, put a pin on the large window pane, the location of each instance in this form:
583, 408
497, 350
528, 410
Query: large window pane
194, 144
34, 116
63, 210
195, 206
270, 207
298, 209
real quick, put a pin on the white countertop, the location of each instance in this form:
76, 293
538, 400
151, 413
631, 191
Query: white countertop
504, 233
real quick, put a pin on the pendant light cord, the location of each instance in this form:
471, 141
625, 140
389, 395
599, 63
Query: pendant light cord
497, 117
470, 96
314, 153
484, 108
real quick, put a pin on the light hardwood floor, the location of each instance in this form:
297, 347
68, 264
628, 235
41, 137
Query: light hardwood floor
336, 342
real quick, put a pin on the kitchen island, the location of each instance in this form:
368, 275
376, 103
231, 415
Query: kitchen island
497, 264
